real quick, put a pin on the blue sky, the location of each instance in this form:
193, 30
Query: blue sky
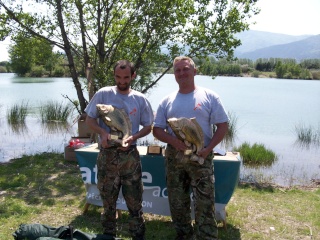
292, 17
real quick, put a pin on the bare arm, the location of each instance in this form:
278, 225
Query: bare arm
163, 136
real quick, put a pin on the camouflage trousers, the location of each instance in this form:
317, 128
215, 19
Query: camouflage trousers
183, 175
117, 169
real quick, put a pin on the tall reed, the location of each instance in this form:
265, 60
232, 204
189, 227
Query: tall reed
307, 135
55, 112
231, 135
17, 113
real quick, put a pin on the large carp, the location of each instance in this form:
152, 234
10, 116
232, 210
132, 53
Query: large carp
118, 121
189, 131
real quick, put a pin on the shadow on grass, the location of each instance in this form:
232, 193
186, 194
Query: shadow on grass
230, 233
41, 178
157, 227
256, 186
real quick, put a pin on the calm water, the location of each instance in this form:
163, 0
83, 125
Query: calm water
267, 110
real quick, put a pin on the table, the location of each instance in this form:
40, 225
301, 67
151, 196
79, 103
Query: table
155, 198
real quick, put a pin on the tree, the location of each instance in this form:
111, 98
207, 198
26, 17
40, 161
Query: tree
281, 69
21, 58
28, 51
98, 33
310, 63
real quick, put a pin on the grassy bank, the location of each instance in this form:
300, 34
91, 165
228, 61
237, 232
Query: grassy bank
47, 189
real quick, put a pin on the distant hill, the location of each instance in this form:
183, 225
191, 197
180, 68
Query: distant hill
252, 40
258, 44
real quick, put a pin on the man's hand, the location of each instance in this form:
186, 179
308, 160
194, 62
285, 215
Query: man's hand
127, 141
178, 144
204, 152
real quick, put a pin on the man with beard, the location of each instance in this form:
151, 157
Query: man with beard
121, 166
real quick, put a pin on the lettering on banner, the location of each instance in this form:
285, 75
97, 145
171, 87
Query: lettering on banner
93, 196
87, 174
145, 204
147, 178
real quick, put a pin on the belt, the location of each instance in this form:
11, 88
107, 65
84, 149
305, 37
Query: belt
169, 145
116, 148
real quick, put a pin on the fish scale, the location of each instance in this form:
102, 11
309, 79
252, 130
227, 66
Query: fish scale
117, 119
189, 131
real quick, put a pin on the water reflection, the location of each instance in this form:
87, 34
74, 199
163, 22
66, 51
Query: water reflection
31, 80
306, 145
55, 127
19, 128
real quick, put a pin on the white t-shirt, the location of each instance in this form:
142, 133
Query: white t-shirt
202, 103
135, 104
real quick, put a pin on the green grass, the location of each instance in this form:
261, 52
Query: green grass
55, 112
46, 189
256, 155
17, 113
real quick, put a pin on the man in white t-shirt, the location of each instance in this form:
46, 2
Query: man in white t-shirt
191, 101
121, 166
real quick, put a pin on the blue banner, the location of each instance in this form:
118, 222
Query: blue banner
155, 198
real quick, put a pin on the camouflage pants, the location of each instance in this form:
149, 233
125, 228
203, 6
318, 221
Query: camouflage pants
115, 169
182, 175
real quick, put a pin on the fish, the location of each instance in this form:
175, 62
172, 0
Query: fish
118, 121
189, 131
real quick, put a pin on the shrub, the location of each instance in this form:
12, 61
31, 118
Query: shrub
288, 75
255, 74
58, 72
315, 74
256, 155
305, 74
3, 69
37, 71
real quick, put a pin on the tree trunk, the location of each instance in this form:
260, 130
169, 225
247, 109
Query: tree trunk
72, 68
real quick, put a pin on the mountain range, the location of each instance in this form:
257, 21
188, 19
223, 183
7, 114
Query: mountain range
259, 44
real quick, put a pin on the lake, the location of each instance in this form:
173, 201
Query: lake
268, 110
